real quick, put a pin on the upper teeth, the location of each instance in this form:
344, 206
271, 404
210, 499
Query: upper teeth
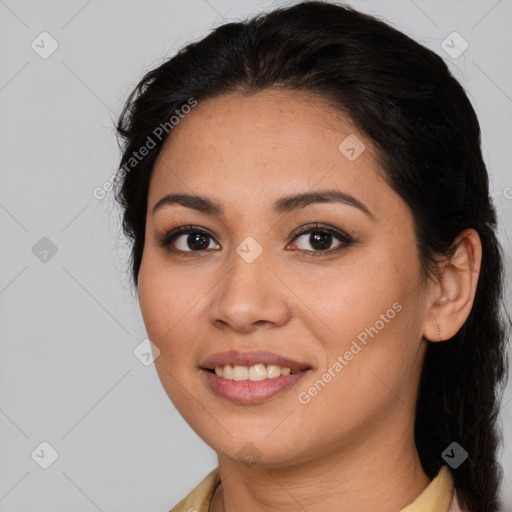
255, 372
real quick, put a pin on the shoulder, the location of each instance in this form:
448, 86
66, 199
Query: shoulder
198, 500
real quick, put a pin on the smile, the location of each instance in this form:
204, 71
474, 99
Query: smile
251, 377
255, 373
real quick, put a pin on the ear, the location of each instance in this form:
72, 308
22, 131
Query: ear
451, 297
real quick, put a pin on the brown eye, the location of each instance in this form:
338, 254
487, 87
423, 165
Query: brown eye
321, 239
187, 239
194, 241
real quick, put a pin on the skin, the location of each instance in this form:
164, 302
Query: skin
351, 448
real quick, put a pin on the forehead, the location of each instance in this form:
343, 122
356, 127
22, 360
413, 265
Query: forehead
270, 143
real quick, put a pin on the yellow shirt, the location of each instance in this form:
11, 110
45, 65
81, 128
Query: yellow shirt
439, 496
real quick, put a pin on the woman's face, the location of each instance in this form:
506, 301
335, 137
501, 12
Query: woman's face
344, 301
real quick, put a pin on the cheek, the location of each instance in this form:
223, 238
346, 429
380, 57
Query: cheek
373, 314
172, 305
154, 299
162, 308
166, 297
167, 304
355, 298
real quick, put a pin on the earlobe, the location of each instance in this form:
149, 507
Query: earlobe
455, 290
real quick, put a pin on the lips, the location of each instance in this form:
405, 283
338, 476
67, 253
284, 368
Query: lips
236, 358
246, 392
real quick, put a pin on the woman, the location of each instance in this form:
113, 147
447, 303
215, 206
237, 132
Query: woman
315, 256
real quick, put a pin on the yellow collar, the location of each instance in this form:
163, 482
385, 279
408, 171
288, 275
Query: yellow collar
437, 497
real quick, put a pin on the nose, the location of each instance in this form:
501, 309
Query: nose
250, 296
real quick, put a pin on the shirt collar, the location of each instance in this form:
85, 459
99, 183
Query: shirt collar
438, 495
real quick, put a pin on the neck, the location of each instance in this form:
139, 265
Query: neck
363, 476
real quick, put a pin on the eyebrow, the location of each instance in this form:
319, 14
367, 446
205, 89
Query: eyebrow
283, 205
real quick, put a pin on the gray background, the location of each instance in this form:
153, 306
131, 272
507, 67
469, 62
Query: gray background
68, 375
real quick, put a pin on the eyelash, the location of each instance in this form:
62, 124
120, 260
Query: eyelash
166, 239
